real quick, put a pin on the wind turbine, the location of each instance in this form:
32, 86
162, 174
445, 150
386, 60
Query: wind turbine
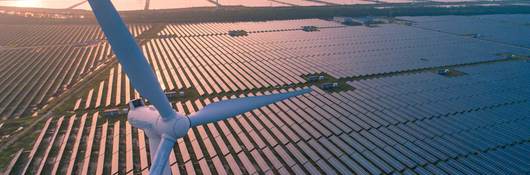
163, 125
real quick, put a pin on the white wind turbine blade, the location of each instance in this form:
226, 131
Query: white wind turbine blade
228, 108
160, 161
130, 56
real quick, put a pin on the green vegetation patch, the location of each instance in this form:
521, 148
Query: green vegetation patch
514, 57
24, 142
473, 35
236, 33
519, 57
13, 126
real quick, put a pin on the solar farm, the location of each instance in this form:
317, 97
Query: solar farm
415, 95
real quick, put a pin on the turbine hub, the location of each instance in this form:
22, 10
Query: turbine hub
175, 127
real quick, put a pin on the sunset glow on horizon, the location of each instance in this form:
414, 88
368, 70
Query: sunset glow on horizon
22, 3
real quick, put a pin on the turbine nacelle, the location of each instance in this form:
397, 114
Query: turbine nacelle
149, 119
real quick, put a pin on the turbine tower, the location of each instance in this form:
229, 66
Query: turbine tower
163, 125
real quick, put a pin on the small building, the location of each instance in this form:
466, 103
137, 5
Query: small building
309, 28
476, 35
314, 78
174, 94
135, 103
367, 20
114, 112
171, 94
329, 86
444, 72
346, 20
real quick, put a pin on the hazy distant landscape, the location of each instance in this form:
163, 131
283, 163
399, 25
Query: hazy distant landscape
126, 5
43, 11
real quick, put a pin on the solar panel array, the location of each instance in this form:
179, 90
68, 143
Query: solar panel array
403, 120
214, 64
39, 62
509, 29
